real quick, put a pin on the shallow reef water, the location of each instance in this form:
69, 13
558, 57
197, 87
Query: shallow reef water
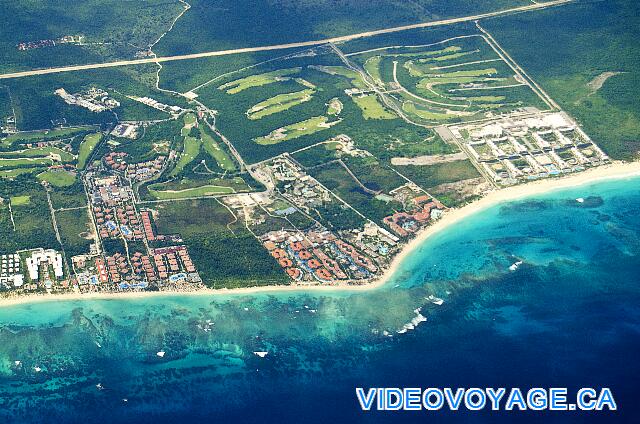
567, 315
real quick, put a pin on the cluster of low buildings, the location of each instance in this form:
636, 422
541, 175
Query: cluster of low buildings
297, 186
141, 171
125, 130
419, 210
174, 110
39, 44
140, 265
11, 274
95, 99
514, 149
31, 269
318, 255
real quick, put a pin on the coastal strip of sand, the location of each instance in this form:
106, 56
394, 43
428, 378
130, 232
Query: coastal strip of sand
618, 170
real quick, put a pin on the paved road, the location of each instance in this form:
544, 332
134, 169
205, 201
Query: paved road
533, 6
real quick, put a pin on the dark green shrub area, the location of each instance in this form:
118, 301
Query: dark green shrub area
224, 257
33, 224
433, 175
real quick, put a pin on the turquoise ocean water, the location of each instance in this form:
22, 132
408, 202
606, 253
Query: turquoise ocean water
568, 316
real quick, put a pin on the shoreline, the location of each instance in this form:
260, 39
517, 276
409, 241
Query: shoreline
614, 171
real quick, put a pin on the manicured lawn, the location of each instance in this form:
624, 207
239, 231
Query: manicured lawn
372, 108
20, 200
214, 150
58, 178
235, 87
86, 148
279, 103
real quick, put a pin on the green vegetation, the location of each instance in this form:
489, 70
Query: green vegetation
337, 179
279, 103
20, 200
222, 249
12, 173
122, 26
25, 162
86, 148
434, 175
372, 108
307, 127
190, 151
334, 107
235, 87
582, 41
216, 152
58, 177
187, 188
30, 211
356, 79
207, 190
47, 135
74, 227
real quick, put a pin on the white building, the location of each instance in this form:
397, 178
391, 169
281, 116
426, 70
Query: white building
49, 257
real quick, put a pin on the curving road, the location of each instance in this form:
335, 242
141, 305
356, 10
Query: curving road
533, 6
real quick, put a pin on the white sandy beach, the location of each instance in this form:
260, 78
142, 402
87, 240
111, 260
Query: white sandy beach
617, 170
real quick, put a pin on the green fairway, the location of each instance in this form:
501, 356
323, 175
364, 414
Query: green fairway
189, 153
372, 66
208, 190
237, 86
12, 173
335, 106
356, 79
86, 148
279, 103
39, 152
20, 200
25, 162
41, 135
412, 108
58, 178
190, 119
214, 150
307, 127
372, 108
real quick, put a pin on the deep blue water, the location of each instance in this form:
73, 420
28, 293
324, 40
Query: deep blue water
569, 316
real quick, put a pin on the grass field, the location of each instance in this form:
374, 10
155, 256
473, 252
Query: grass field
237, 86
58, 178
25, 162
39, 152
307, 127
434, 175
12, 173
216, 152
41, 135
187, 188
189, 153
372, 108
207, 190
20, 200
86, 148
224, 251
279, 103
